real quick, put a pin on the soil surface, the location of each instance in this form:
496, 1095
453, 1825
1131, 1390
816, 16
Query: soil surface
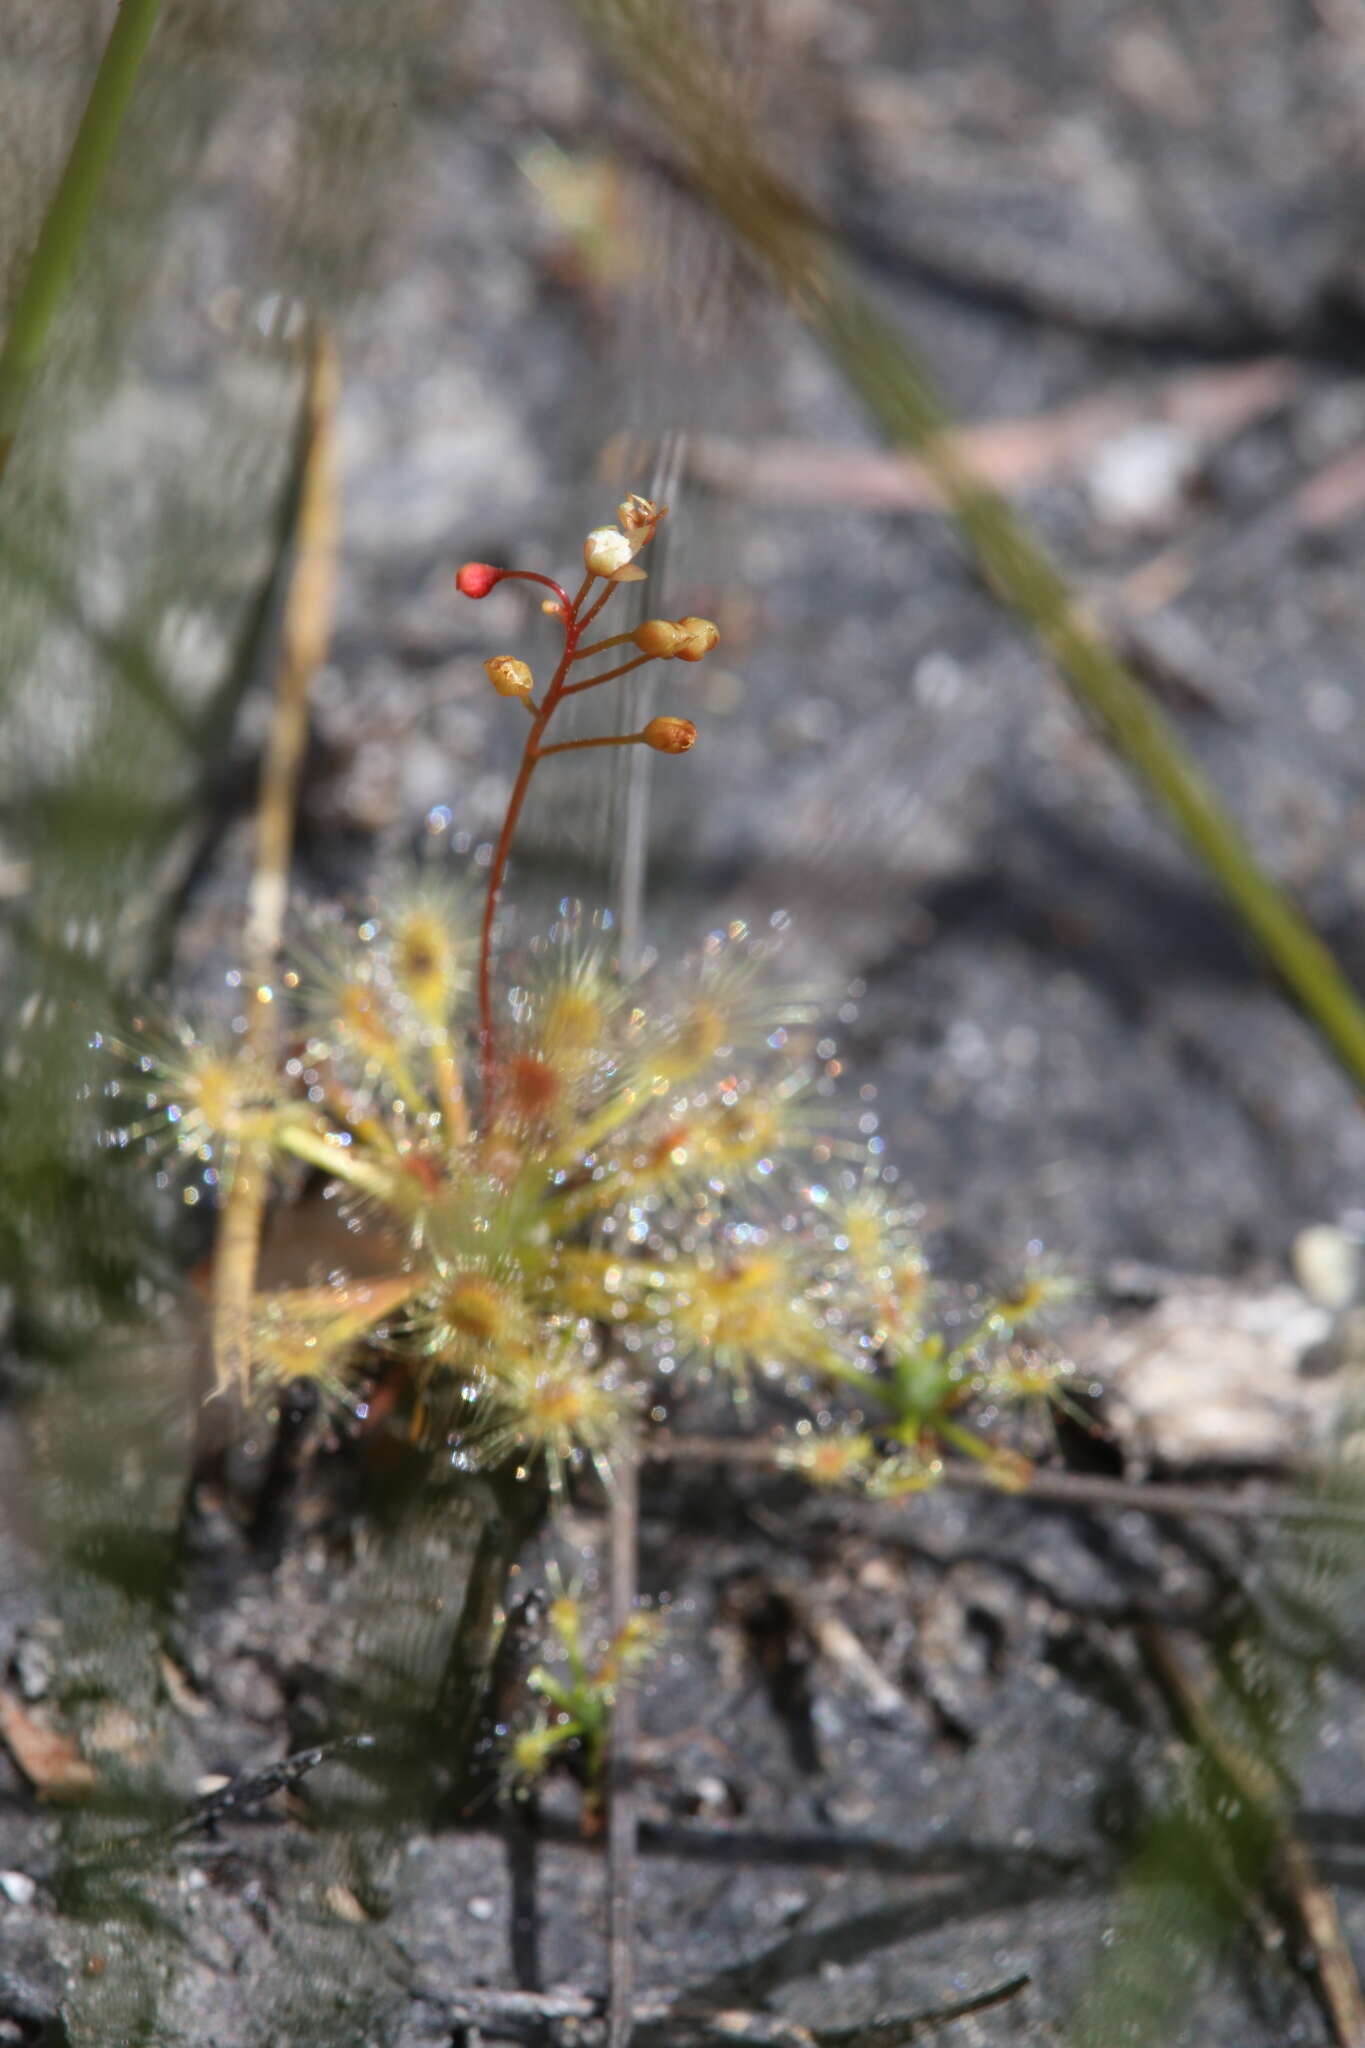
1127, 241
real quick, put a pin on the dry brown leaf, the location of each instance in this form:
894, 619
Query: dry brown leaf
50, 1761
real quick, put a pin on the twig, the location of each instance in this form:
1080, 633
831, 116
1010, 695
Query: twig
666, 2013
253, 1788
1316, 1906
1063, 1489
1151, 1497
1312, 1902
623, 1526
304, 636
671, 2013
67, 219
256, 1786
884, 2033
1011, 454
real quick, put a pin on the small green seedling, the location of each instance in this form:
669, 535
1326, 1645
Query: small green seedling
574, 1723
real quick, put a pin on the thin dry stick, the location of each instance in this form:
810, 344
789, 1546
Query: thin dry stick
1313, 1903
621, 1816
304, 635
1060, 1489
672, 2012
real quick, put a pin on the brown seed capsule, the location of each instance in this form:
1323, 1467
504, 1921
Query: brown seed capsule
697, 638
638, 514
509, 677
670, 735
658, 637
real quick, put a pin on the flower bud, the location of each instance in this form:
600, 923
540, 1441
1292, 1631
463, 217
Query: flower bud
510, 677
606, 550
696, 638
670, 735
476, 579
659, 637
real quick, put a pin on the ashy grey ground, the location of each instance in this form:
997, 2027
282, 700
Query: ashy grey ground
1069, 1044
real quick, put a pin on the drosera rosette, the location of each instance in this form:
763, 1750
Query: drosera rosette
582, 1191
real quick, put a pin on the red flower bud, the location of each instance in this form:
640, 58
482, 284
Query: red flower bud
476, 579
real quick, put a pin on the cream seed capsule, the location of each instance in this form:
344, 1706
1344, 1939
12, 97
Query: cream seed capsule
510, 677
659, 637
670, 735
606, 551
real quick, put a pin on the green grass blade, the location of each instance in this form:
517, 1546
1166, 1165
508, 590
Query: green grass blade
68, 215
686, 85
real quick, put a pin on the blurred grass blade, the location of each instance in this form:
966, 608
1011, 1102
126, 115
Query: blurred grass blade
305, 632
68, 216
1224, 1835
687, 87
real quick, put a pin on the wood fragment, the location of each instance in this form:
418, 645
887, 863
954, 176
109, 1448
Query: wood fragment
342, 1903
840, 1647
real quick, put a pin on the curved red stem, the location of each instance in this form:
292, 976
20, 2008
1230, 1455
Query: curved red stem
534, 576
531, 753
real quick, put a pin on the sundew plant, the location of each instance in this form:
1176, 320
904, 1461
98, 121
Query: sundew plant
593, 1191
